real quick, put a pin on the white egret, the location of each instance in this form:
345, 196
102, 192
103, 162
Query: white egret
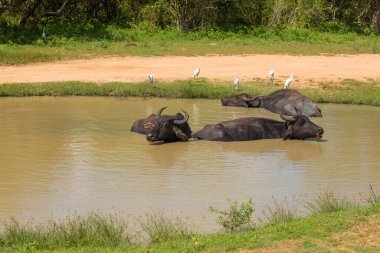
150, 78
236, 82
288, 81
43, 34
196, 72
271, 75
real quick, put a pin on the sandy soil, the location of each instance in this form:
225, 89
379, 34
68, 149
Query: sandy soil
169, 68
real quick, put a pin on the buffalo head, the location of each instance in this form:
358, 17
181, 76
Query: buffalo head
169, 129
241, 100
300, 127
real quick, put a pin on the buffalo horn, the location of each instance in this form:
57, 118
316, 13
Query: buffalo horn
182, 121
249, 99
158, 114
287, 118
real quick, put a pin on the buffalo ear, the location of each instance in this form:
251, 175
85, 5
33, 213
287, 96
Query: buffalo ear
289, 134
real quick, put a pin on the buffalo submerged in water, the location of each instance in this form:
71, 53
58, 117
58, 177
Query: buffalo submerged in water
165, 128
251, 128
286, 102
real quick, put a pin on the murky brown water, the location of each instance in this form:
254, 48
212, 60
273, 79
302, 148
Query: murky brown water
60, 155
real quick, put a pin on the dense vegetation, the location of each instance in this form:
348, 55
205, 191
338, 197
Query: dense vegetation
189, 15
46, 30
21, 21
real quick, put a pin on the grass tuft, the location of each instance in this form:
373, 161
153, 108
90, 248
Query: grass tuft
159, 228
328, 202
373, 197
281, 212
78, 231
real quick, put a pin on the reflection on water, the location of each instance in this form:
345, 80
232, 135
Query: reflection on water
60, 155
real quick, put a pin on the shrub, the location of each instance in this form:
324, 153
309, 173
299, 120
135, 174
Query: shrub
236, 217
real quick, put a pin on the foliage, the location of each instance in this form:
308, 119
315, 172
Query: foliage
236, 216
192, 15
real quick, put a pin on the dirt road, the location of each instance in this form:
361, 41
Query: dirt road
169, 68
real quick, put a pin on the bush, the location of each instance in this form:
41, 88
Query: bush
236, 217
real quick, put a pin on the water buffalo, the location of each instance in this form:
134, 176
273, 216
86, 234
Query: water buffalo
251, 128
166, 128
286, 102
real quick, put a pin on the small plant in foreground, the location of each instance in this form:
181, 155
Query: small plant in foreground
161, 229
281, 211
328, 202
236, 216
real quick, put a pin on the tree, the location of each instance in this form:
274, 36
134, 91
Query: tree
376, 15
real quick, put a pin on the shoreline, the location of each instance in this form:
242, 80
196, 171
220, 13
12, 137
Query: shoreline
345, 92
333, 217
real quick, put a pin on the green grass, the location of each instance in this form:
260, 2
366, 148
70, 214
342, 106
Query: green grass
345, 92
159, 228
77, 231
97, 233
155, 42
280, 212
308, 230
372, 198
328, 202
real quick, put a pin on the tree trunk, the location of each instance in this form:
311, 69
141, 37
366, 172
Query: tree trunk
58, 12
376, 17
